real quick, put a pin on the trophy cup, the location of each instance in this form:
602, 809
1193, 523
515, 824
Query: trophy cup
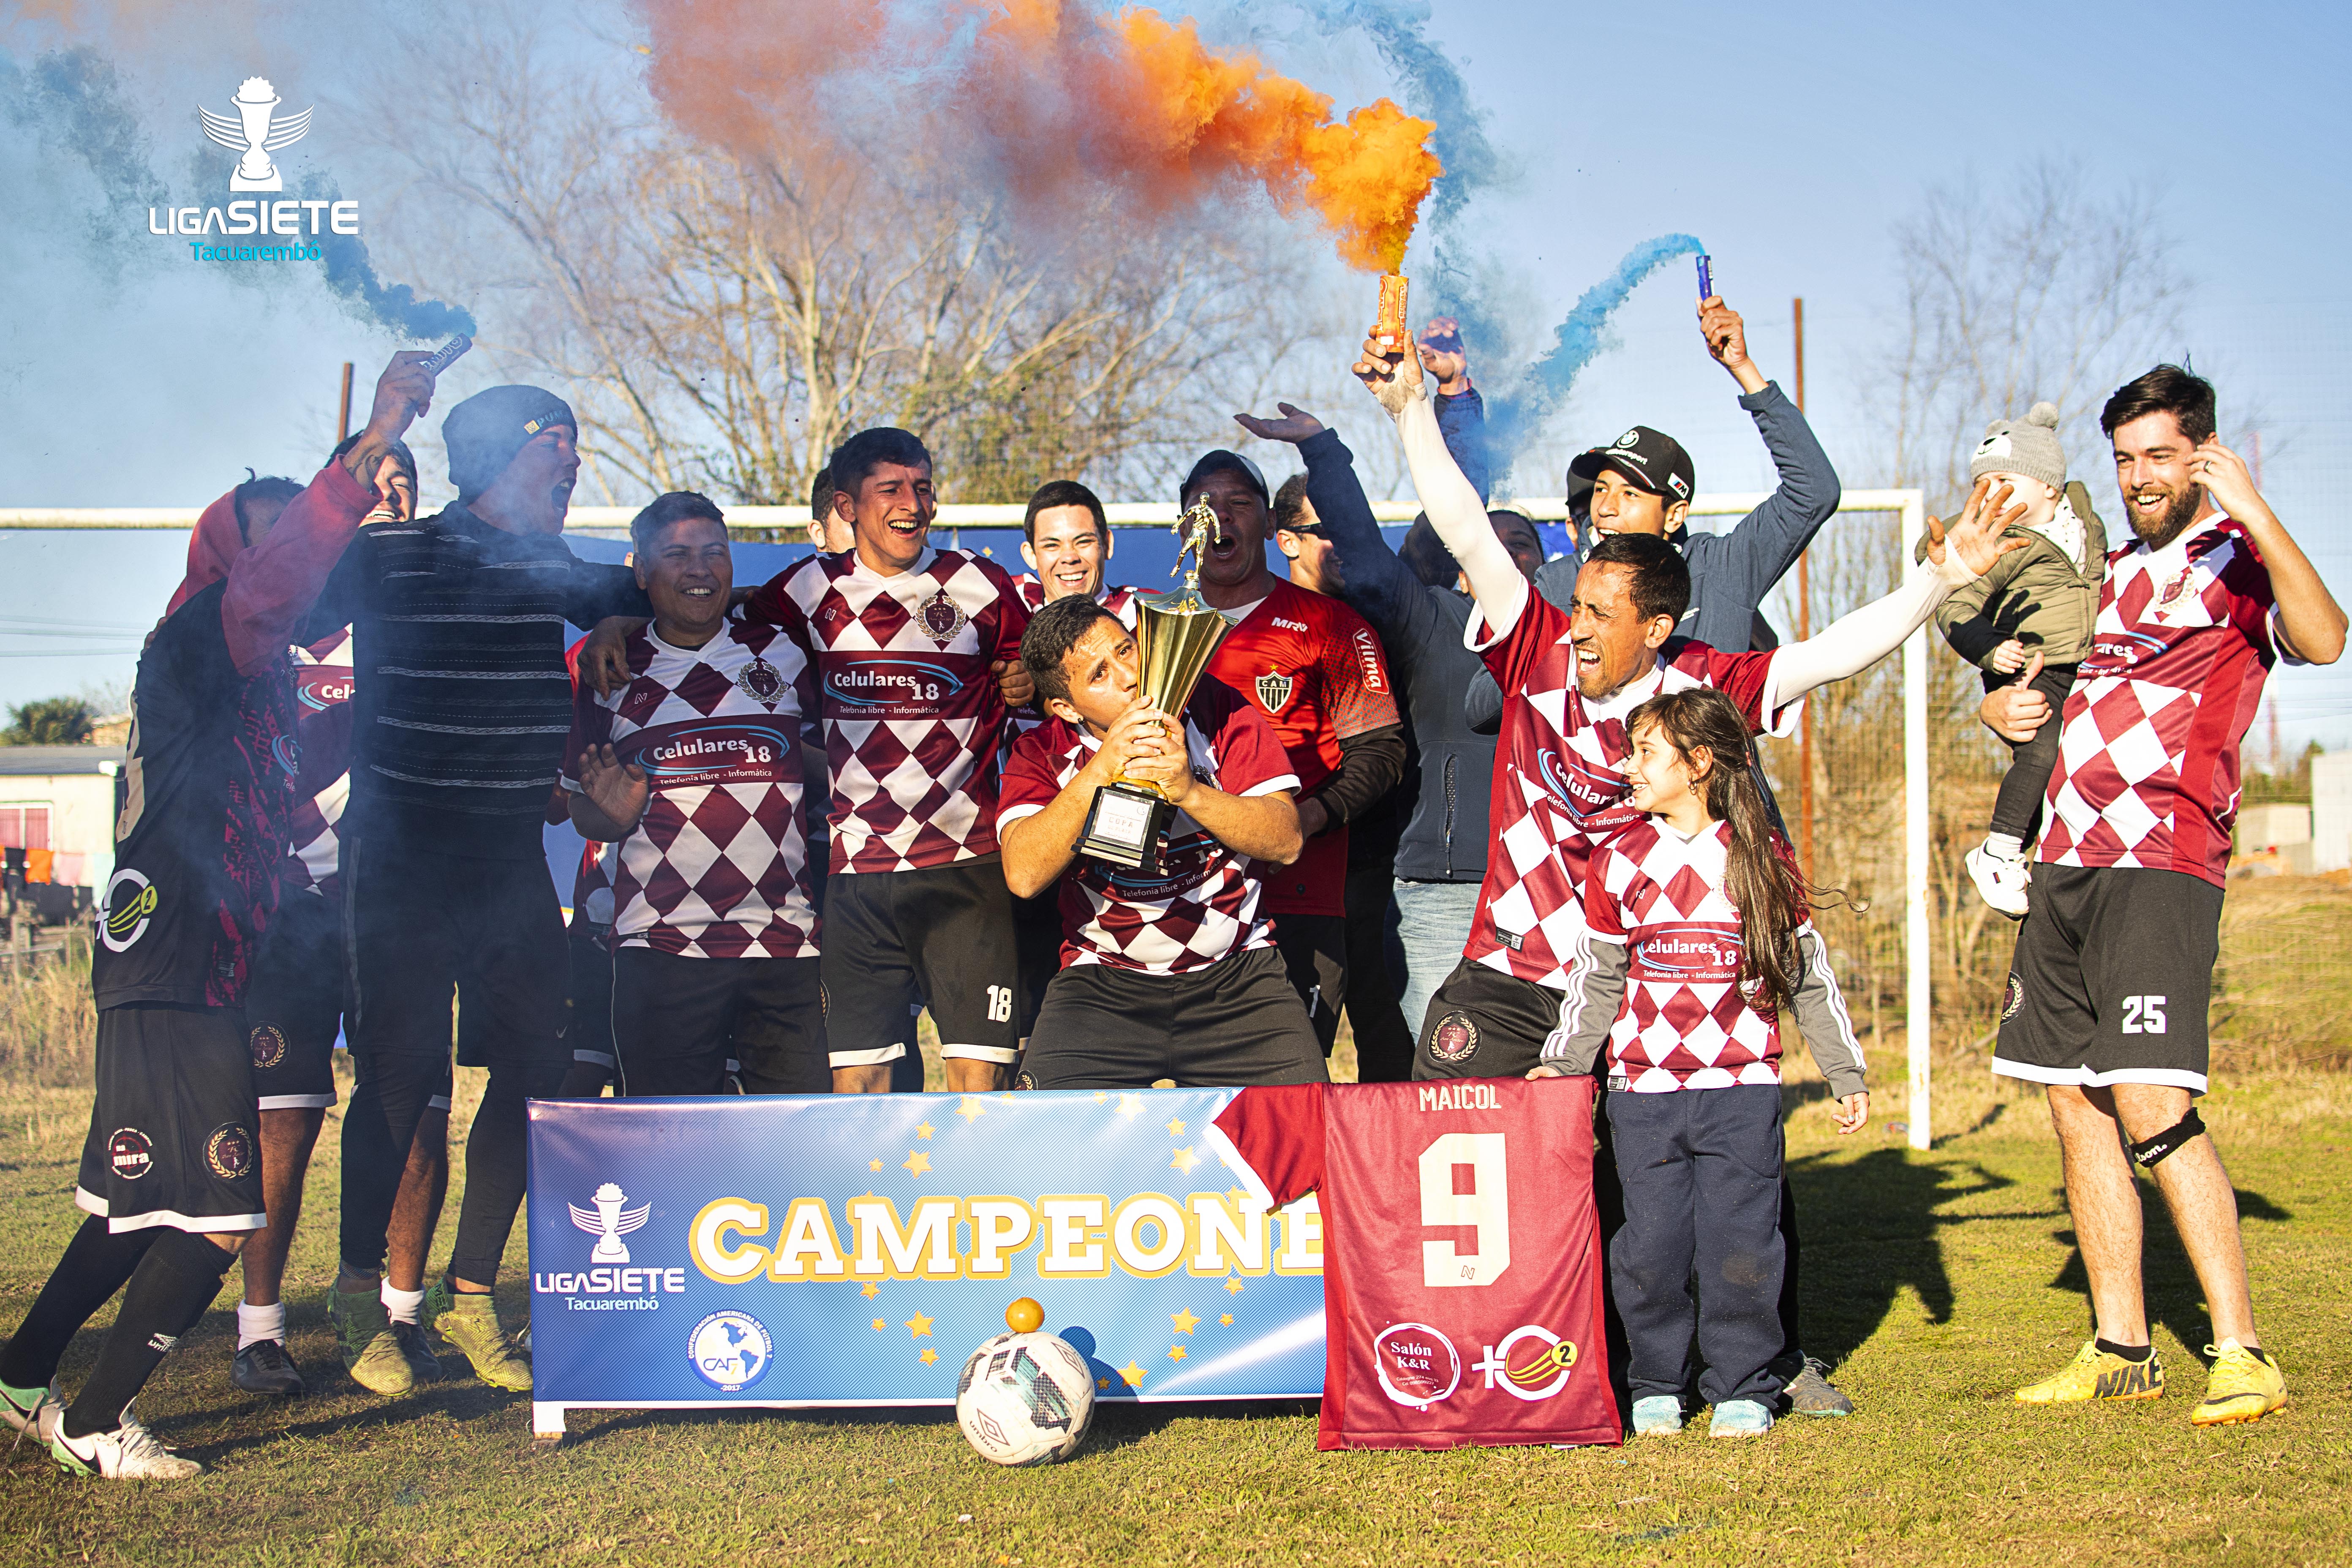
1174, 636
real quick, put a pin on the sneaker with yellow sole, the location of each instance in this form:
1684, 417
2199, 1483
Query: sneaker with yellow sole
2244, 1386
469, 1324
2095, 1374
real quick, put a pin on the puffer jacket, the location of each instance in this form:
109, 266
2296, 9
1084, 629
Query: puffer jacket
2035, 595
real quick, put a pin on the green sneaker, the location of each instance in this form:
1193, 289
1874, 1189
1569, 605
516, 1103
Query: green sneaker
469, 1324
33, 1411
371, 1353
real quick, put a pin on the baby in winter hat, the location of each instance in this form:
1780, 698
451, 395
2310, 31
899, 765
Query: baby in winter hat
2042, 600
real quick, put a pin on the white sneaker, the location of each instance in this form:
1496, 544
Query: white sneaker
129, 1453
2001, 883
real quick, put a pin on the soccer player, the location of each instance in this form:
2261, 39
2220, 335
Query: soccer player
915, 652
694, 767
1312, 665
2109, 990
1570, 680
1173, 974
169, 1176
462, 705
1066, 539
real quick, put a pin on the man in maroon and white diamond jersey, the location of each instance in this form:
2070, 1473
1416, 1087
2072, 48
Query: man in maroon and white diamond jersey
1171, 973
2113, 978
694, 768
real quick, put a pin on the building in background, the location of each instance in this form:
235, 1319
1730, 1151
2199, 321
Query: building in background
57, 816
2331, 811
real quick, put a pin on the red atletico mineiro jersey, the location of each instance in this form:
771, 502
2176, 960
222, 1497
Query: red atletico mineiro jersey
1462, 1284
1315, 669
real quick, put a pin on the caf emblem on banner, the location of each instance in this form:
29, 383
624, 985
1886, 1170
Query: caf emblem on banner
1274, 689
942, 619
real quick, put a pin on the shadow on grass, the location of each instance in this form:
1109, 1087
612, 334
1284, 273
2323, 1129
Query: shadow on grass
2167, 1281
1870, 1226
1117, 1425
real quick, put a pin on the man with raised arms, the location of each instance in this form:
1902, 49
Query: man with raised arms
1171, 974
1569, 679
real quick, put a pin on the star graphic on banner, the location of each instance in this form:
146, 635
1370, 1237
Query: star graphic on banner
1101, 1099
1176, 1129
1006, 1097
873, 1164
920, 1325
1226, 1320
1236, 1196
1102, 1383
869, 1290
918, 1161
879, 1325
1129, 1105
1184, 1320
971, 1109
1132, 1374
1184, 1160
924, 1130
928, 1355
1175, 1353
1233, 1287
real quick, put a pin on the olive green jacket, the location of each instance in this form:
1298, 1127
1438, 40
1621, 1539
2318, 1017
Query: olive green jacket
2035, 595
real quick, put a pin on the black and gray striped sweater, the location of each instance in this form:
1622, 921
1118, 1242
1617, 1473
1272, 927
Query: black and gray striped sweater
462, 700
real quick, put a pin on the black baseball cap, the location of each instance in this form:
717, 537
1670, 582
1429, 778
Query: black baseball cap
1210, 462
1651, 459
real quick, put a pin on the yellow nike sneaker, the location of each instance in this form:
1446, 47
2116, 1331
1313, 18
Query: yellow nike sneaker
2242, 1386
2095, 1374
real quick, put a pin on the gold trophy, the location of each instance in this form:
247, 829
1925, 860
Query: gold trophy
1174, 636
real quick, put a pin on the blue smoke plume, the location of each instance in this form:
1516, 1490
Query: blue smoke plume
1515, 415
73, 102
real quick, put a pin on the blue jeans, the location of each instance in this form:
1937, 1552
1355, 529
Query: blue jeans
1433, 922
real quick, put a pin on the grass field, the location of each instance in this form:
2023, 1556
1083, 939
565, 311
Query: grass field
1939, 1280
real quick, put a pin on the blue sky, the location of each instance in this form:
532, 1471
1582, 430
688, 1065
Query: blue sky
1789, 139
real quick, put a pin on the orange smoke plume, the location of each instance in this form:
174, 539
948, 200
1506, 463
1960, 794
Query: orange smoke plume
1047, 97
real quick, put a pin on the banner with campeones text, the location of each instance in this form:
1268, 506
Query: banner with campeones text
854, 1250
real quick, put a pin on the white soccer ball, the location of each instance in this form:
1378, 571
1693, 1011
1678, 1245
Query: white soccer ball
1025, 1399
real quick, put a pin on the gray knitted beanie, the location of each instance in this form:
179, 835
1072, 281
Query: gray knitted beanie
2027, 446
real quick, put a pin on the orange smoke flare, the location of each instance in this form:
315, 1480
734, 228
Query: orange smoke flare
1046, 96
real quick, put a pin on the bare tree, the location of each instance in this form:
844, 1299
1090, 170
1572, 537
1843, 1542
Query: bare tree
722, 320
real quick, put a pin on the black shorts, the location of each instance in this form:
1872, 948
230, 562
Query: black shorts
1235, 1023
678, 1023
1483, 1023
427, 928
2113, 978
945, 933
1038, 930
173, 1132
294, 1003
1315, 956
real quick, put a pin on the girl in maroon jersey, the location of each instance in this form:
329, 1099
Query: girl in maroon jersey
1700, 933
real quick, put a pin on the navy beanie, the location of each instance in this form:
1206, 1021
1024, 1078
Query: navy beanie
484, 433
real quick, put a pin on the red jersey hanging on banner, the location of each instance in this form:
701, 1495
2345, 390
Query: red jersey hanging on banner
1461, 1256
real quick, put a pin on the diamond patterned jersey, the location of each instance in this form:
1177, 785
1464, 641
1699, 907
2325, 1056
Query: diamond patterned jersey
1202, 905
717, 866
1685, 1023
2147, 751
1316, 669
322, 690
913, 716
1559, 786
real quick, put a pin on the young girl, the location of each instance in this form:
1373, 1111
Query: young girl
1699, 934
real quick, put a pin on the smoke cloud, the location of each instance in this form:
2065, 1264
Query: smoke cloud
1515, 418
1047, 101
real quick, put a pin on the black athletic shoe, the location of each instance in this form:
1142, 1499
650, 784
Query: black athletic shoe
264, 1367
1810, 1393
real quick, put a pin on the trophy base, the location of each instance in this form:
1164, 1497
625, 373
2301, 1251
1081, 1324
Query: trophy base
1124, 827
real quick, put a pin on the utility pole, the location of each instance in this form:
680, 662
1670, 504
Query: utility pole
1804, 630
343, 414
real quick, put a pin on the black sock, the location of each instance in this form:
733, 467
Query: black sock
166, 1296
2129, 1353
95, 1266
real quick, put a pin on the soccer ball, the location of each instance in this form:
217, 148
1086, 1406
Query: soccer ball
1025, 1399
